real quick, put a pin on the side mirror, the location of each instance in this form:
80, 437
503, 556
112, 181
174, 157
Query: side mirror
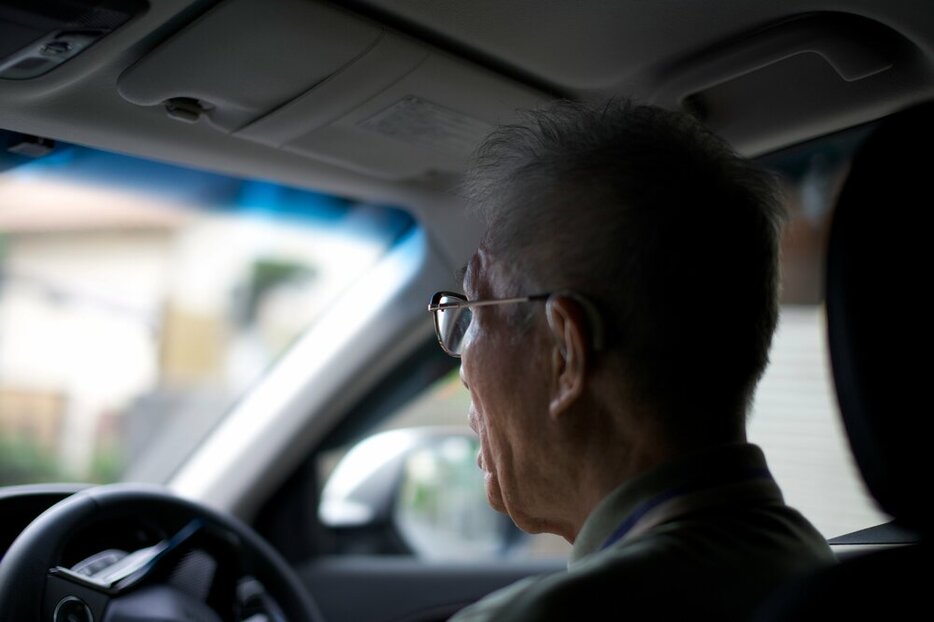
415, 491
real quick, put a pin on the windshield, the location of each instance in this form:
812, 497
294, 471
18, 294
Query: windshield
139, 300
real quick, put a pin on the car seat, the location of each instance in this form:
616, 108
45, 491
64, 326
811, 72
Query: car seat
878, 330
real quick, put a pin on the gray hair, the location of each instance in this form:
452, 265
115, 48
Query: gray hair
655, 219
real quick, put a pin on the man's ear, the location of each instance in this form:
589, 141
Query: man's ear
570, 352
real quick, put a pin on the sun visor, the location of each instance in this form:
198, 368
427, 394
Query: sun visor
424, 122
326, 84
244, 58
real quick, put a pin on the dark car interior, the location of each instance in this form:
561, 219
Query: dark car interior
383, 101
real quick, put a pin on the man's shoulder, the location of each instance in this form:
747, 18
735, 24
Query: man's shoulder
562, 595
710, 551
567, 595
714, 566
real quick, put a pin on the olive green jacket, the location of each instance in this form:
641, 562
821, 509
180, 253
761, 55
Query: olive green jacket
704, 538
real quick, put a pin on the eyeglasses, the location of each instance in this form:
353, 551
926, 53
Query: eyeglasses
452, 313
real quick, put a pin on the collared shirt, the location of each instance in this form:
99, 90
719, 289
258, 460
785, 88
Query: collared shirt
705, 537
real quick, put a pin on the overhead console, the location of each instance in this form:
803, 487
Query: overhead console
36, 36
323, 83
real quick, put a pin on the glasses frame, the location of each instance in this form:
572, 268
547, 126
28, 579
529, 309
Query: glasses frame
434, 306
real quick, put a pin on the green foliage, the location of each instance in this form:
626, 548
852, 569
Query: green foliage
107, 465
23, 461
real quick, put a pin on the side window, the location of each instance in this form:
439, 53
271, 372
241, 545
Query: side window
439, 509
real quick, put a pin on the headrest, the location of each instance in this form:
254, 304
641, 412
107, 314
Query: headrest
877, 322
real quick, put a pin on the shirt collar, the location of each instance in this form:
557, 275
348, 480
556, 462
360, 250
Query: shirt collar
706, 469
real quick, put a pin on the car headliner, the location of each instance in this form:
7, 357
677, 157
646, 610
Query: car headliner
542, 49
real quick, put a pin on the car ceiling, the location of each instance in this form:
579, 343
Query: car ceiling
613, 47
744, 66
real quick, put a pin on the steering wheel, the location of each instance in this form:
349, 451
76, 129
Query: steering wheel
119, 587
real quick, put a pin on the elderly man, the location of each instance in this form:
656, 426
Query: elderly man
616, 319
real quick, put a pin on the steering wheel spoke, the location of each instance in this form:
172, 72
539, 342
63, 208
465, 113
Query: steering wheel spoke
197, 574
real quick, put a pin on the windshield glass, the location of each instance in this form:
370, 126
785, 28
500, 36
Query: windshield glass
139, 300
